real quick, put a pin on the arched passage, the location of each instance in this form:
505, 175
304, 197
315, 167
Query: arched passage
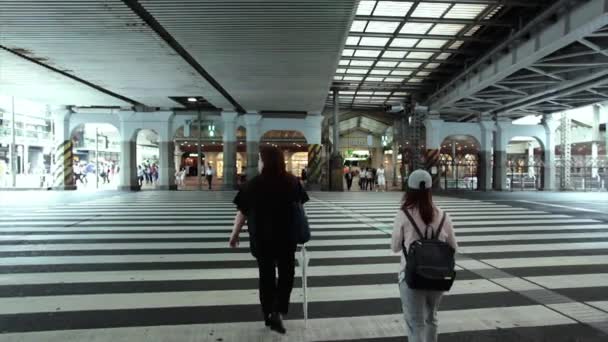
294, 146
96, 153
525, 155
147, 157
459, 162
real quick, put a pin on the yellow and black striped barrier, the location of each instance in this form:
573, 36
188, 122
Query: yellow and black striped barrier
63, 174
314, 163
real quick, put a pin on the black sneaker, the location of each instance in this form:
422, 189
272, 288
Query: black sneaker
276, 323
267, 320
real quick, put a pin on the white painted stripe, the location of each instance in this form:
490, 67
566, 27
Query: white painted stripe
320, 210
571, 281
533, 247
135, 235
320, 329
316, 228
153, 245
79, 223
602, 305
564, 207
215, 216
526, 228
546, 236
315, 242
245, 244
21, 305
170, 274
548, 261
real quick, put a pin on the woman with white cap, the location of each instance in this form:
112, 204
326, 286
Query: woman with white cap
418, 210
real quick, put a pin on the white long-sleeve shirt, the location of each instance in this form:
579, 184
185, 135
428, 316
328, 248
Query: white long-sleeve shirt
403, 230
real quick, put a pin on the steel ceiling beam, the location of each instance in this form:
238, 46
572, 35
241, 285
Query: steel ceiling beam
495, 66
565, 88
144, 15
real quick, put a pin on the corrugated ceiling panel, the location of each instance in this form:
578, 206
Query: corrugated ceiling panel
23, 79
105, 43
269, 55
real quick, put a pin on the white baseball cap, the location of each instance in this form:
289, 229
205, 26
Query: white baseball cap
417, 177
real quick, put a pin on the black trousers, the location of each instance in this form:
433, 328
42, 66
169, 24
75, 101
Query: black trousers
209, 180
274, 294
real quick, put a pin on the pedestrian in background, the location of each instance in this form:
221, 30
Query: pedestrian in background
209, 174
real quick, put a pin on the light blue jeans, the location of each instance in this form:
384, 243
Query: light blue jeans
420, 312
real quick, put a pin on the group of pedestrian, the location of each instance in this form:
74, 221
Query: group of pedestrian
104, 170
207, 173
368, 178
264, 202
148, 173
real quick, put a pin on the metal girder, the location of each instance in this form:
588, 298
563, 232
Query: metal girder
544, 73
564, 88
573, 25
568, 55
593, 46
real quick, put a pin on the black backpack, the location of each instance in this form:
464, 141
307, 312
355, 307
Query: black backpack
430, 262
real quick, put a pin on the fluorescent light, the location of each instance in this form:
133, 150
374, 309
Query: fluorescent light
392, 8
430, 10
192, 99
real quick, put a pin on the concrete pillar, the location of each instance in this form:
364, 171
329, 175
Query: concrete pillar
252, 125
336, 161
25, 160
177, 157
166, 169
566, 147
433, 126
500, 154
531, 172
549, 171
396, 142
63, 173
229, 141
315, 163
595, 141
128, 165
485, 155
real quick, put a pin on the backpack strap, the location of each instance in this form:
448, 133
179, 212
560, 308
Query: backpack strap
411, 219
436, 235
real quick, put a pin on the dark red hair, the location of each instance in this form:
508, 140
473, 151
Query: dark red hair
421, 200
274, 162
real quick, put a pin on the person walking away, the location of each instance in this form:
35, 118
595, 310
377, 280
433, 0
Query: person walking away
304, 176
418, 210
362, 179
380, 173
209, 174
265, 203
370, 179
349, 179
140, 176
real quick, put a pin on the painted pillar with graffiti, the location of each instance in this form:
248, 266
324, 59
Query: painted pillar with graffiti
315, 163
63, 166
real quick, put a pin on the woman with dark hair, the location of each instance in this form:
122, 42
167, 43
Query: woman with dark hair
420, 306
265, 202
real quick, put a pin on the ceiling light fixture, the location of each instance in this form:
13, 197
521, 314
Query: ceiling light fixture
192, 99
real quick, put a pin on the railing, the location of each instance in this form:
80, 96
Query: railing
458, 175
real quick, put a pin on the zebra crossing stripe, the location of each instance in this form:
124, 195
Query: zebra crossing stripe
165, 262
